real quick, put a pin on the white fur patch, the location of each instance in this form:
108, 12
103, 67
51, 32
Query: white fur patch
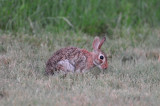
67, 65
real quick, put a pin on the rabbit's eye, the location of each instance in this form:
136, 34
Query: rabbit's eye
101, 57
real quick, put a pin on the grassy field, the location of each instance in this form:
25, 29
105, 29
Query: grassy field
30, 31
133, 76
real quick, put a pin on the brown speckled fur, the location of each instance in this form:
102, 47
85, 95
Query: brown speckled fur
75, 56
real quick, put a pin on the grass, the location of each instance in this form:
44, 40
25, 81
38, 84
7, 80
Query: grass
91, 16
128, 81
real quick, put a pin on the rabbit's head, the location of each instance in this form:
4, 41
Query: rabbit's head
99, 57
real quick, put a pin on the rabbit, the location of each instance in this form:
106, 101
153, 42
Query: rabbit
72, 59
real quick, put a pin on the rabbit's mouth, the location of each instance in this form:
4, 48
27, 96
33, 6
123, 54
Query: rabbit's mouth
104, 65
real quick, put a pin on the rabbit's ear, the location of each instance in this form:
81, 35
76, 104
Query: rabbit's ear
101, 42
96, 43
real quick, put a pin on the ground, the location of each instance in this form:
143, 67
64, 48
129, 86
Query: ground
133, 76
